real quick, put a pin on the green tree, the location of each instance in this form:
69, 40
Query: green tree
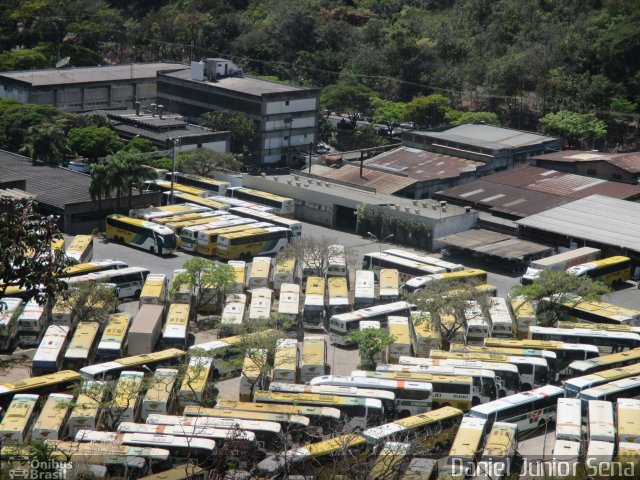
140, 145
27, 260
93, 142
99, 187
243, 129
203, 161
387, 113
574, 126
134, 172
46, 143
370, 343
429, 111
90, 302
456, 117
213, 279
563, 288
347, 96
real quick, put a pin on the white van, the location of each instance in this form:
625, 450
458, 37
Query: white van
79, 167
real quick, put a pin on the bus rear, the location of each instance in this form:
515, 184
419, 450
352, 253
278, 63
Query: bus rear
160, 396
80, 250
113, 342
285, 364
389, 285
260, 271
365, 289
314, 358
399, 329
313, 312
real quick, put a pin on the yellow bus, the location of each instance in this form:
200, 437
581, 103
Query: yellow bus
206, 236
82, 347
154, 290
53, 416
177, 227
313, 313
239, 271
284, 272
289, 302
605, 341
54, 382
389, 285
338, 290
424, 338
252, 376
391, 461
87, 412
50, 353
184, 197
127, 398
605, 362
160, 396
285, 364
17, 420
317, 414
214, 187
113, 343
92, 267
283, 206
499, 450
153, 213
162, 185
140, 233
399, 329
524, 315
195, 383
261, 216
80, 250
252, 242
610, 271
628, 420
185, 217
260, 273
286, 420
600, 313
176, 328
470, 275
314, 358
467, 445
143, 361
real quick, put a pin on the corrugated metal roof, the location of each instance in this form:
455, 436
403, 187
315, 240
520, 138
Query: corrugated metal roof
489, 136
629, 162
495, 244
422, 165
596, 218
382, 182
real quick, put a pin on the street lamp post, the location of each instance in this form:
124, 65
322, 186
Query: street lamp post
380, 242
175, 142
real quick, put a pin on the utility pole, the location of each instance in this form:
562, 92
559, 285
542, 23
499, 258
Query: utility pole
310, 151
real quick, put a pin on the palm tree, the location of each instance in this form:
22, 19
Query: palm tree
136, 173
99, 187
115, 175
46, 142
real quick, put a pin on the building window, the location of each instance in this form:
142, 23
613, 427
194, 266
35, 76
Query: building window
286, 137
286, 103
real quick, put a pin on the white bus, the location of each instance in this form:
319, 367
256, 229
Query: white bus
195, 384
416, 257
283, 205
214, 187
185, 292
337, 262
232, 314
16, 423
239, 273
176, 328
338, 291
260, 306
365, 295
52, 419
407, 268
88, 412
398, 328
8, 324
389, 285
260, 216
153, 213
50, 353
237, 203
569, 420
476, 328
285, 363
340, 325
203, 237
127, 398
80, 250
285, 272
252, 375
628, 420
600, 421
289, 301
260, 273
129, 281
161, 394
467, 446
113, 342
31, 322
424, 337
313, 361
607, 342
600, 452
313, 312
500, 321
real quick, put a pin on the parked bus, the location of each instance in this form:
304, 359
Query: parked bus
338, 291
52, 420
214, 187
428, 260
261, 216
524, 316
407, 269
9, 310
112, 369
623, 388
606, 362
364, 295
340, 325
500, 320
153, 213
195, 384
424, 338
16, 422
175, 222
316, 413
389, 285
184, 293
30, 324
575, 385
140, 233
411, 397
42, 385
600, 421
313, 313
313, 361
127, 397
161, 395
606, 342
203, 238
232, 315
467, 445
289, 302
285, 364
128, 281
476, 327
260, 273
470, 275
82, 347
598, 326
183, 472
399, 329
628, 420
283, 205
184, 197
295, 421
236, 202
601, 451
92, 267
448, 390
80, 250
154, 290
391, 460
569, 420
337, 261
162, 185
176, 328
599, 313
239, 272
113, 343
252, 376
499, 451
251, 242
260, 306
610, 271
284, 272
50, 353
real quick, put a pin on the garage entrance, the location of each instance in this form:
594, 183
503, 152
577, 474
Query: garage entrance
344, 218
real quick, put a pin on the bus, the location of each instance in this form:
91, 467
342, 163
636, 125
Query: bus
87, 411
236, 202
289, 302
113, 343
153, 213
184, 293
399, 329
221, 414
252, 376
162, 185
214, 187
389, 285
128, 281
476, 327
183, 472
599, 313
160, 397
500, 320
524, 316
316, 413
467, 445
285, 363
283, 205
53, 416
42, 385
50, 353
284, 272
176, 328
424, 338
606, 362
601, 452
183, 197
407, 269
565, 352
260, 273
261, 216
598, 326
600, 421
391, 460
232, 315
569, 420
127, 397
212, 220
208, 216
313, 313
313, 361
575, 385
529, 410
16, 422
239, 268
610, 271
111, 369
470, 275
30, 324
140, 233
82, 347
448, 390
195, 384
364, 295
416, 257
623, 388
628, 420
340, 325
338, 295
337, 261
260, 306
204, 237
411, 397
356, 412
154, 290
251, 242
606, 342
499, 451
92, 267
80, 250
9, 311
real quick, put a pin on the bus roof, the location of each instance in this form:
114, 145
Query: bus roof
518, 399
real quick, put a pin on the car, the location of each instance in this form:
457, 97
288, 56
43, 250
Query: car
322, 149
408, 126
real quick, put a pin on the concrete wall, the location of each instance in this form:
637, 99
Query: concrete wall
14, 92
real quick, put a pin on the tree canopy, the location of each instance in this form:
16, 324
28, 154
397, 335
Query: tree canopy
93, 142
241, 128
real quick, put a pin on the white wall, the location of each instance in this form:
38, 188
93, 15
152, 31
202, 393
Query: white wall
301, 105
302, 122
